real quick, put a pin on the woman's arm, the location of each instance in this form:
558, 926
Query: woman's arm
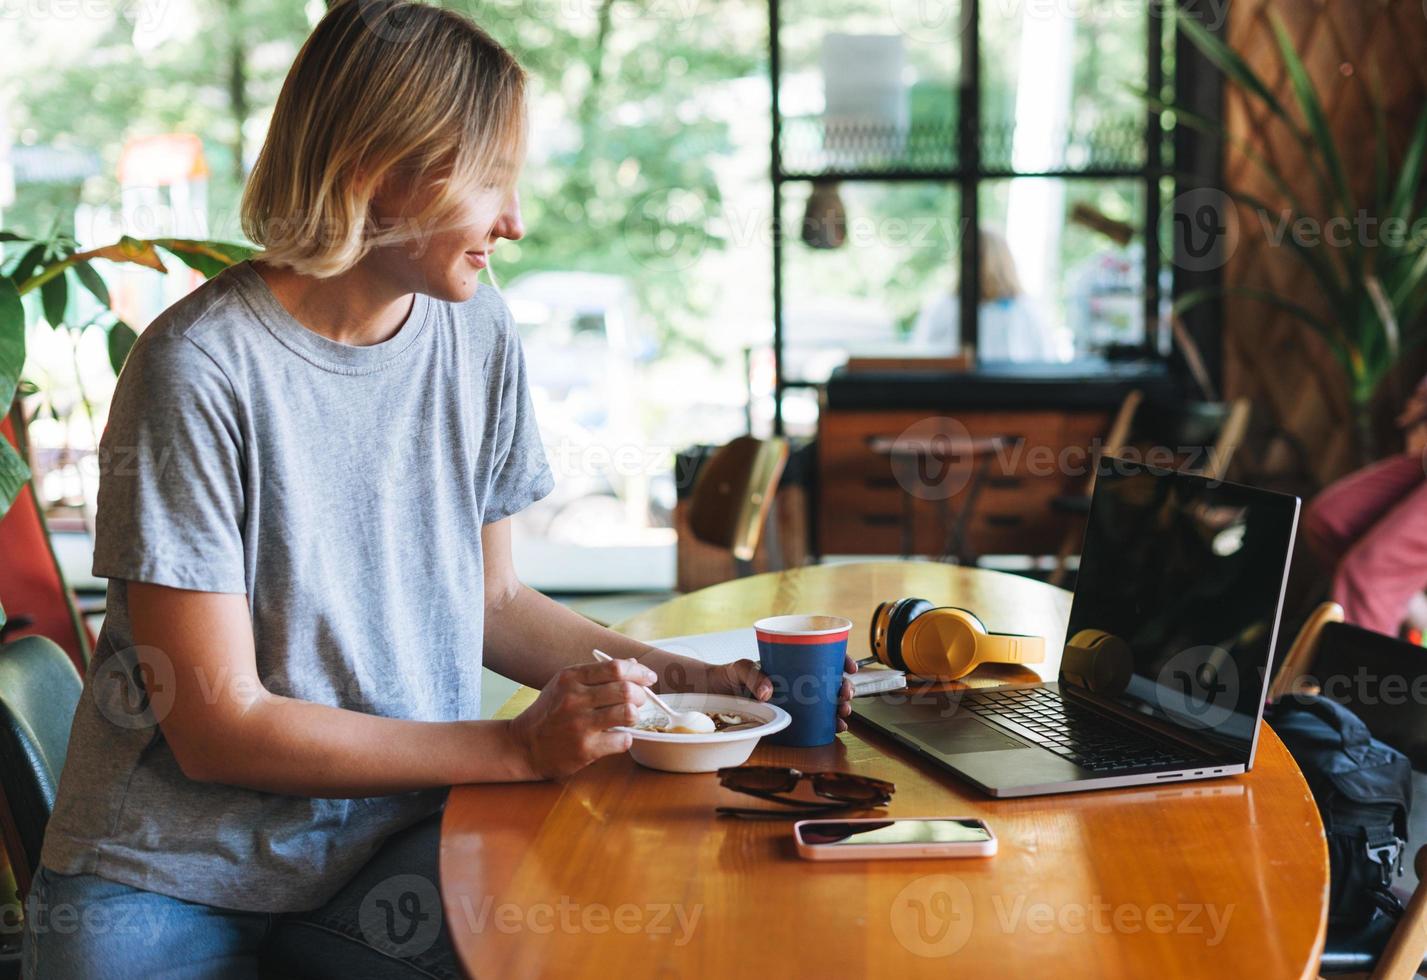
529, 636
224, 726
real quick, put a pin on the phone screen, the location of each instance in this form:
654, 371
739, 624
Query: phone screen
847, 834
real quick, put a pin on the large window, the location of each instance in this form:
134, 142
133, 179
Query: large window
901, 126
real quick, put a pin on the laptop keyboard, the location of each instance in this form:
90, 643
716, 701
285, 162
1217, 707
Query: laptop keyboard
1085, 737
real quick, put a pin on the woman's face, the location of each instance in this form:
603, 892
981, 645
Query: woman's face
444, 259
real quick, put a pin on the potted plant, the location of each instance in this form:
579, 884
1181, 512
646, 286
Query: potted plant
1375, 293
52, 267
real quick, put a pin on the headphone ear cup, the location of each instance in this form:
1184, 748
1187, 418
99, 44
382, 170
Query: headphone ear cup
873, 629
975, 623
899, 617
945, 643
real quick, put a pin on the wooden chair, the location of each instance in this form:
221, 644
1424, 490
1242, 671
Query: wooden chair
1232, 430
1379, 950
1290, 678
1401, 959
1077, 506
733, 496
1231, 437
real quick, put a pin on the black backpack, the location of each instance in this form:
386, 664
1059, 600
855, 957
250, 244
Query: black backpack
1363, 789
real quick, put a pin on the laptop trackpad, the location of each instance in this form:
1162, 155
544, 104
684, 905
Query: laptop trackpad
956, 735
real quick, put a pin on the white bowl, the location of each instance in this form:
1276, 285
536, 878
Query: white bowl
672, 752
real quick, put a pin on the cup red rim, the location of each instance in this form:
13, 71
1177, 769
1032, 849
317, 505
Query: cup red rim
766, 627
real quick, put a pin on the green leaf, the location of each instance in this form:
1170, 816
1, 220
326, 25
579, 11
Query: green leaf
1400, 204
31, 261
121, 339
10, 236
1313, 114
55, 296
1411, 281
92, 281
12, 342
1385, 314
1227, 60
209, 258
13, 474
1340, 348
1315, 259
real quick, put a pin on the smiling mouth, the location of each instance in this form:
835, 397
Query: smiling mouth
478, 259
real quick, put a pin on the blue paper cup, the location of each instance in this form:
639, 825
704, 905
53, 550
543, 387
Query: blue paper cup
803, 657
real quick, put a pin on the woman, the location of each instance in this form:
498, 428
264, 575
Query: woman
306, 481
1011, 327
1370, 529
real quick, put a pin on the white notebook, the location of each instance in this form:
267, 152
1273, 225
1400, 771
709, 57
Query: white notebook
729, 645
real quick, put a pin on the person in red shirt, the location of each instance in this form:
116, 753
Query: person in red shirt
1370, 527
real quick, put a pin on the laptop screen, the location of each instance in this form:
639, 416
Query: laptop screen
1177, 601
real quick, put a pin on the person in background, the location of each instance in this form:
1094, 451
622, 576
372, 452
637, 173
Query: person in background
1012, 329
1370, 528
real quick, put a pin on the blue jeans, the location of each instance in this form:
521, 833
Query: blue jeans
385, 922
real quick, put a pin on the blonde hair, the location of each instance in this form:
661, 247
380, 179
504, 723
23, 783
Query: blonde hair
999, 279
381, 89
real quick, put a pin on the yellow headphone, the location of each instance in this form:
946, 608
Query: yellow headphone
943, 641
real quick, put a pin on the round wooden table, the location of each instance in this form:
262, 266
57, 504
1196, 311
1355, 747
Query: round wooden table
621, 872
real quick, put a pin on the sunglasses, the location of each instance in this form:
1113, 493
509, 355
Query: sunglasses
842, 790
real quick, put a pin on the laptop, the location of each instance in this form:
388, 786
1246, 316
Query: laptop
1166, 667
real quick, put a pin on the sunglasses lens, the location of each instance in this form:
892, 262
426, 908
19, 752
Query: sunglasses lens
762, 779
852, 788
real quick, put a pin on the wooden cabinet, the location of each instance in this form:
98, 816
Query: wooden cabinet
862, 503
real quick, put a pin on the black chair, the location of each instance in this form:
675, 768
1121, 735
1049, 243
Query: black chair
1379, 678
39, 690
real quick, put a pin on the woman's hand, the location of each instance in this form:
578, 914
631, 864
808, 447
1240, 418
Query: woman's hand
744, 679
1417, 439
567, 727
1414, 413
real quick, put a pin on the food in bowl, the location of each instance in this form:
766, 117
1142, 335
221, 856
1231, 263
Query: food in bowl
730, 745
722, 720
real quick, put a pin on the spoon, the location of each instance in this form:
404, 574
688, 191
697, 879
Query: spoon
680, 722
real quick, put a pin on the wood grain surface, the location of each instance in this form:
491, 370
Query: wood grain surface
624, 872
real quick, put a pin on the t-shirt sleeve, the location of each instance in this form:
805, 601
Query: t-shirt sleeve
520, 473
171, 499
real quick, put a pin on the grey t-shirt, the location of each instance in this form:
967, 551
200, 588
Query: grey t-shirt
342, 489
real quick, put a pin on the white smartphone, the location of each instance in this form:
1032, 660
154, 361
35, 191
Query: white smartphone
903, 837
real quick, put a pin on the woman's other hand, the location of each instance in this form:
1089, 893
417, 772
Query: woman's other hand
744, 679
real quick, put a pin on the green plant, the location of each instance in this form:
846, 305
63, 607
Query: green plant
1375, 292
53, 267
